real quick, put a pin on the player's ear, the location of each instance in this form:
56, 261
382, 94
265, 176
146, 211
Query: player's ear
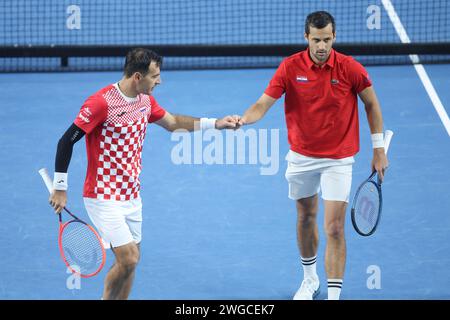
306, 36
334, 37
137, 76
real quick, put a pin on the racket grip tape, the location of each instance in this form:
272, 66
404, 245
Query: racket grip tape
48, 182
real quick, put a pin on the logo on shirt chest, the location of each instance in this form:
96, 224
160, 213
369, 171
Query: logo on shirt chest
142, 110
334, 81
302, 79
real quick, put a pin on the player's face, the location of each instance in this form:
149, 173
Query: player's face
147, 83
320, 42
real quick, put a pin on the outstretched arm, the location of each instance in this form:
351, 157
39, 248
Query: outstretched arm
58, 198
257, 110
375, 119
172, 122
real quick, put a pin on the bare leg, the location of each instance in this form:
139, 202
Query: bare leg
335, 253
307, 231
119, 280
126, 289
307, 240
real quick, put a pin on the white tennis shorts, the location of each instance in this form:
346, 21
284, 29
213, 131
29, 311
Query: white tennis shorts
118, 222
308, 176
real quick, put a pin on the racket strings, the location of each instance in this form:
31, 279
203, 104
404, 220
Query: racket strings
367, 207
81, 248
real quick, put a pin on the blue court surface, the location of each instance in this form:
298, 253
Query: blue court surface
224, 231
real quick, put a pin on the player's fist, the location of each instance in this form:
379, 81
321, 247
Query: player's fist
241, 121
228, 122
379, 162
58, 200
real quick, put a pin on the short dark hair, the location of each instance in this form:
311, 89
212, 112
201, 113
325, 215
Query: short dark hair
139, 60
319, 20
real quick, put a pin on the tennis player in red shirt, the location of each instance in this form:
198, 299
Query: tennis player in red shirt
114, 121
321, 88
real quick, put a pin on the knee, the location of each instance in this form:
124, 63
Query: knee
307, 211
306, 218
129, 265
335, 230
129, 262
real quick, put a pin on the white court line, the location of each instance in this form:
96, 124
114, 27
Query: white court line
419, 68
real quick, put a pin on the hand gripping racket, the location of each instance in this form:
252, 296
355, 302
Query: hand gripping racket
368, 200
79, 244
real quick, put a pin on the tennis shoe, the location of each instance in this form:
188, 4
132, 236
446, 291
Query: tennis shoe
309, 289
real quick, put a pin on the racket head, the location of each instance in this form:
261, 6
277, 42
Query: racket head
366, 207
81, 248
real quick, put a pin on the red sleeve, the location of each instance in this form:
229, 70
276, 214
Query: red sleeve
277, 86
93, 112
157, 112
358, 76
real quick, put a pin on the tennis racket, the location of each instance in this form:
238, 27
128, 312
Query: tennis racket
79, 244
368, 200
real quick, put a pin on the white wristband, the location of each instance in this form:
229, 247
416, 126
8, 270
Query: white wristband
377, 140
60, 181
207, 123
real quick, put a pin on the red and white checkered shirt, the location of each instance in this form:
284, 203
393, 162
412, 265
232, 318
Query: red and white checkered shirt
115, 127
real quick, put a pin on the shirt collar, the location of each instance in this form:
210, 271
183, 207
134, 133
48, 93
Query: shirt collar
331, 58
330, 62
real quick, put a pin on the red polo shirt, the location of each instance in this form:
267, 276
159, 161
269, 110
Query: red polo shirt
321, 104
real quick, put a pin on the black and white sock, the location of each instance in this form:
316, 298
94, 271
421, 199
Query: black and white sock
334, 289
309, 267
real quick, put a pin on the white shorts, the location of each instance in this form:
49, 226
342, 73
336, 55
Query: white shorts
118, 222
306, 178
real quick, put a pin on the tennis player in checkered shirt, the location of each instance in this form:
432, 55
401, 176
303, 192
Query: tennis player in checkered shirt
114, 121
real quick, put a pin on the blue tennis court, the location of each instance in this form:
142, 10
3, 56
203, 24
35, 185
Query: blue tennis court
225, 231
213, 228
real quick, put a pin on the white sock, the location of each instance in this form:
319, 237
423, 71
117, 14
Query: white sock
334, 289
309, 267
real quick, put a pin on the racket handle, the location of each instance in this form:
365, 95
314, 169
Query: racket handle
387, 140
48, 182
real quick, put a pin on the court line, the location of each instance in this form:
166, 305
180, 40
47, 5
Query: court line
437, 103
